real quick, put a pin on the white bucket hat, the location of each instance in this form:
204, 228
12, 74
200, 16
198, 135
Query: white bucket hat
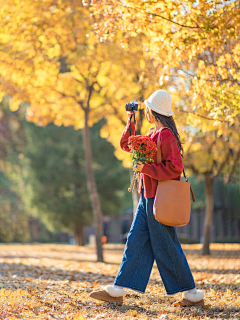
160, 101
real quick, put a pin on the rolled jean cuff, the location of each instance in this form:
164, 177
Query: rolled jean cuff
130, 287
181, 290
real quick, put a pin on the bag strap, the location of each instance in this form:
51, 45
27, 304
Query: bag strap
159, 159
159, 156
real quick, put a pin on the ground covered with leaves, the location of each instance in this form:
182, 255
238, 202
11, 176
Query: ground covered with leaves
54, 282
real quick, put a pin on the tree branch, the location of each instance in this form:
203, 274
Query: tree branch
223, 164
234, 167
66, 95
194, 170
82, 106
201, 116
169, 20
122, 4
210, 151
90, 90
189, 74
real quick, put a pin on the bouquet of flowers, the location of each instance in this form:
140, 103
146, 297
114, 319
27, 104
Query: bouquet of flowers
143, 150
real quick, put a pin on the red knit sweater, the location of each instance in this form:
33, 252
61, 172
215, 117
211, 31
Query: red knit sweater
171, 166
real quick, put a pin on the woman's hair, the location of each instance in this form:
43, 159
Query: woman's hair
167, 122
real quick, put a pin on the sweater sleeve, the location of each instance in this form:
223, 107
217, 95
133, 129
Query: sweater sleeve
126, 135
171, 166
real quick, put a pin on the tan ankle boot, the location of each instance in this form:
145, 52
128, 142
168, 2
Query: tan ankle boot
188, 303
192, 298
104, 296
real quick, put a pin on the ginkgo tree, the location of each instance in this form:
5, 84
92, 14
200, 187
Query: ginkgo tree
211, 151
50, 58
194, 39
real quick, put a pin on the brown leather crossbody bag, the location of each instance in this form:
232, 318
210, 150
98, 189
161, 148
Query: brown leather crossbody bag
172, 204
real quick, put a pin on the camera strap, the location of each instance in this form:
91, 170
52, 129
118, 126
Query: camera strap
134, 119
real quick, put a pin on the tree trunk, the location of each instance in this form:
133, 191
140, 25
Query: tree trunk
139, 122
92, 189
79, 238
208, 213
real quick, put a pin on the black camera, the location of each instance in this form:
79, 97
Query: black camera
132, 106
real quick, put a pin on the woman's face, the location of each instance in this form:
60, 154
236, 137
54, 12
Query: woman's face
149, 116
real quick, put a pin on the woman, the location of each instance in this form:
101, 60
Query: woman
148, 239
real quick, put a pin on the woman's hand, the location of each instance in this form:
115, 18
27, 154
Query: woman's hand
139, 166
129, 114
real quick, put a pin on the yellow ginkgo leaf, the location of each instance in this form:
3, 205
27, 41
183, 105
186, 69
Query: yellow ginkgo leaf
14, 104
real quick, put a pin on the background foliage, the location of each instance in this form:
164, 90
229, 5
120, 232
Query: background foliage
68, 66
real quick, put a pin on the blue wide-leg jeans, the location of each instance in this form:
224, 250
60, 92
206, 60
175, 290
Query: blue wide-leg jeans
149, 240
